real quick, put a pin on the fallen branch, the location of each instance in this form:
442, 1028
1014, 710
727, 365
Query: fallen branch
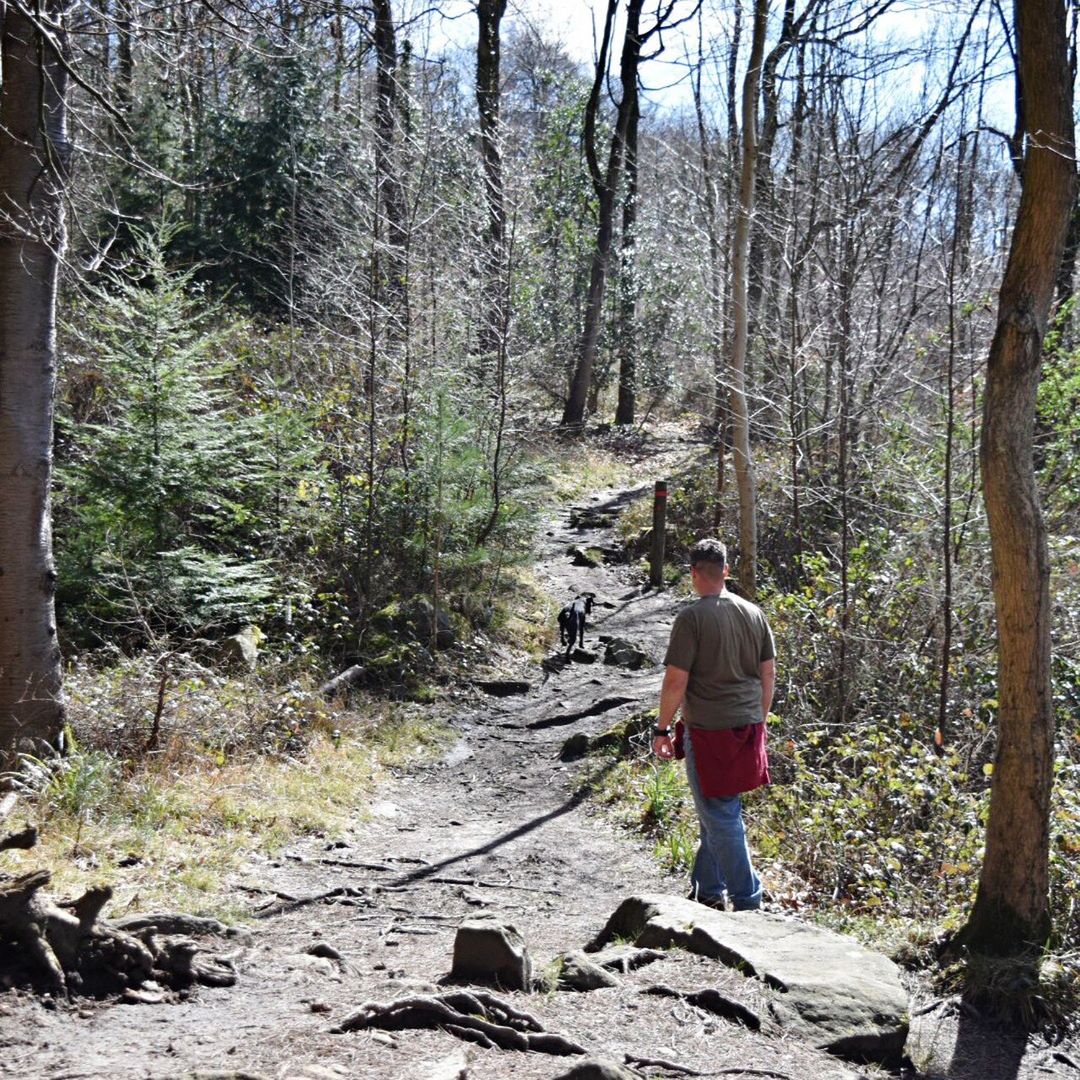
659, 1063
359, 865
345, 680
683, 1070
475, 1016
476, 883
342, 894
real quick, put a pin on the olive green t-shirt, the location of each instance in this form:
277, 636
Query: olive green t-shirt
721, 641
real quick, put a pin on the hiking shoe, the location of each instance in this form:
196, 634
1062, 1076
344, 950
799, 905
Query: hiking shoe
717, 903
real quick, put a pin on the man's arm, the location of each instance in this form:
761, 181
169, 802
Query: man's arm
767, 674
672, 693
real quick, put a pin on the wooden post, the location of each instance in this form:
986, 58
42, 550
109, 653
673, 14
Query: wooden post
659, 517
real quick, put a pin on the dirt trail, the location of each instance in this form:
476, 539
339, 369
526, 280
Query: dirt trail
495, 826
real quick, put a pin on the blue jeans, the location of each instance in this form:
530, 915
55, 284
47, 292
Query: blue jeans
722, 863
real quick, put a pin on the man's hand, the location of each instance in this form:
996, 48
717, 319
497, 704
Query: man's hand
663, 746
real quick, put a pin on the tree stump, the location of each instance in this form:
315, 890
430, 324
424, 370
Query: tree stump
65, 948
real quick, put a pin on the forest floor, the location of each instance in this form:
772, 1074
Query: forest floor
497, 825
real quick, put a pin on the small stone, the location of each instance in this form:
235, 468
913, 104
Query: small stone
321, 1007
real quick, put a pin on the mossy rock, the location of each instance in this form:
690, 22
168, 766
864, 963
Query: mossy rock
619, 736
415, 619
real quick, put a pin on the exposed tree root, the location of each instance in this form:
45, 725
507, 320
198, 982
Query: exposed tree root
341, 894
64, 947
712, 1001
476, 1016
683, 1070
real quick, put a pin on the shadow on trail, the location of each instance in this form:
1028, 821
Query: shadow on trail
571, 804
602, 706
649, 593
983, 1052
622, 499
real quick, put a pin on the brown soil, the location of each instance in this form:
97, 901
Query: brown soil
495, 826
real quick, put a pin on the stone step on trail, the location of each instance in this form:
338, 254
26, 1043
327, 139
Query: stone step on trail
833, 992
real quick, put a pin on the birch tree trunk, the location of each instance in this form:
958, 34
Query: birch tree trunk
33, 166
628, 278
1011, 915
740, 416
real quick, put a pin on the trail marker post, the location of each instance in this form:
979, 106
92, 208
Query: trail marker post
659, 518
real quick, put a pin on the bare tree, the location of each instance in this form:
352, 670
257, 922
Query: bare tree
606, 183
1011, 913
740, 416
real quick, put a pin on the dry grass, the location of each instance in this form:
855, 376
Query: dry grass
242, 768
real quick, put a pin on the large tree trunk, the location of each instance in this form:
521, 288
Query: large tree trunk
1011, 914
740, 416
33, 166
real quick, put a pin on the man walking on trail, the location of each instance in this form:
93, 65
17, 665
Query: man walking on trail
721, 670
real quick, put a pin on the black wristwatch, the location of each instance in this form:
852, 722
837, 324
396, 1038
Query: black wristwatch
661, 732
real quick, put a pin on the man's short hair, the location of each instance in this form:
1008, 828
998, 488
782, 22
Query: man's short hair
709, 550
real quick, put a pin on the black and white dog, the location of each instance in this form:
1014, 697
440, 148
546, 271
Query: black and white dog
572, 622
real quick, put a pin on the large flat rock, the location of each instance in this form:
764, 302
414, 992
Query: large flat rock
834, 993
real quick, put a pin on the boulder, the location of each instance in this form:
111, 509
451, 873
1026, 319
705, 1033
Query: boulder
588, 557
621, 653
415, 618
486, 950
833, 992
242, 648
425, 621
592, 517
577, 746
578, 972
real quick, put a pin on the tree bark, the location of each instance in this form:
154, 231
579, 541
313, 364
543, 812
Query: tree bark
628, 278
33, 168
1011, 915
605, 186
391, 280
489, 14
740, 416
